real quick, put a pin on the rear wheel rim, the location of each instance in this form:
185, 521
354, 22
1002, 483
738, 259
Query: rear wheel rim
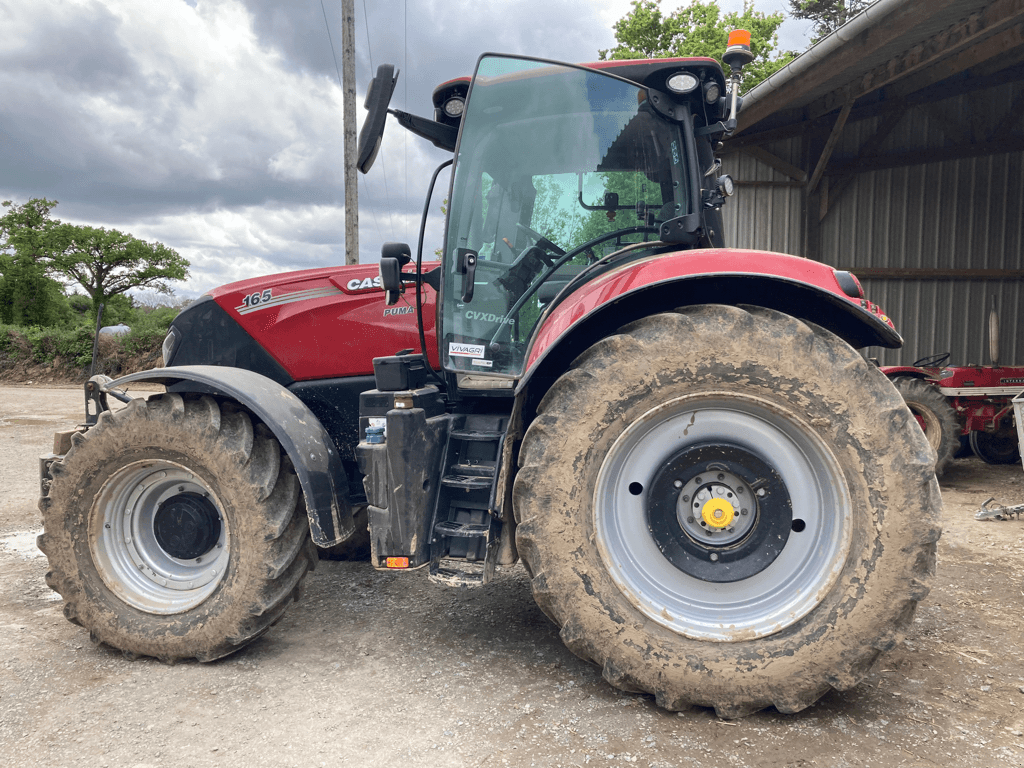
776, 597
129, 551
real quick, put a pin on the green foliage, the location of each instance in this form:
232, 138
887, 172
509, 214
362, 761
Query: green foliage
699, 29
827, 15
44, 345
105, 263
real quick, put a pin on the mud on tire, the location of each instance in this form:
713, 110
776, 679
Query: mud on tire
935, 414
175, 528
702, 403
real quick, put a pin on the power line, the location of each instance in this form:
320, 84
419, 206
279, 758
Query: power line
383, 165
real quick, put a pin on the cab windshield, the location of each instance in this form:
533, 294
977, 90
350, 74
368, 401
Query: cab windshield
557, 167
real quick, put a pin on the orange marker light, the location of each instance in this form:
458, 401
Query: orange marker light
739, 37
397, 562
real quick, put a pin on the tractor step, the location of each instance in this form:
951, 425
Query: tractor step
467, 482
466, 528
476, 435
462, 530
457, 573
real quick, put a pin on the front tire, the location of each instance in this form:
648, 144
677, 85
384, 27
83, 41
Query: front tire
723, 406
175, 528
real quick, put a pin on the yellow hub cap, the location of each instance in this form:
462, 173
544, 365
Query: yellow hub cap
718, 513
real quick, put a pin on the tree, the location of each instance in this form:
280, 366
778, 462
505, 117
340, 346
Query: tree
699, 29
106, 262
827, 15
27, 295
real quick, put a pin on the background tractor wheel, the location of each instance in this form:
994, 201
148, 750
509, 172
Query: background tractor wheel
175, 528
727, 507
935, 416
998, 448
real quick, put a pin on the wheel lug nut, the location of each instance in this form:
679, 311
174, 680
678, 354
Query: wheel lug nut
743, 511
721, 476
686, 498
689, 519
699, 480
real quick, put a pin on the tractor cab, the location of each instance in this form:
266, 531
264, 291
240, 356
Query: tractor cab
561, 173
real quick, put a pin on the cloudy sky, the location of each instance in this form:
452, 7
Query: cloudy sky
214, 126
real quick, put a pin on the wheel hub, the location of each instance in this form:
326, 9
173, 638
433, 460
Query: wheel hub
693, 516
717, 513
187, 526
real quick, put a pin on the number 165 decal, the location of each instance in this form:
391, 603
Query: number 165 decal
255, 299
265, 299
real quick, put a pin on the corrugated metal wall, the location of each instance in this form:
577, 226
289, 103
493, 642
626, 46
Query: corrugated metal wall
957, 214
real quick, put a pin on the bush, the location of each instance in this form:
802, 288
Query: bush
69, 351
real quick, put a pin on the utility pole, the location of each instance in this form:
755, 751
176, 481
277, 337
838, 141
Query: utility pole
348, 114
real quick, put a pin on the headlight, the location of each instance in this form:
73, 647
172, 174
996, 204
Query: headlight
454, 107
682, 82
170, 345
712, 93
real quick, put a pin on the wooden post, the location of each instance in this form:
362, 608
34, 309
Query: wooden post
348, 79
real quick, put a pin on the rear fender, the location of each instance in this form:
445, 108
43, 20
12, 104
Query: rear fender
311, 450
798, 287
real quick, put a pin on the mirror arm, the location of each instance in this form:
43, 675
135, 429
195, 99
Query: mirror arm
440, 135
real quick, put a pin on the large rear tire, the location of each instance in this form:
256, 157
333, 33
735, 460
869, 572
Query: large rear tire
175, 528
934, 415
997, 447
819, 505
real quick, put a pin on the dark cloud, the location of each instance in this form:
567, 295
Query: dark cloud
215, 126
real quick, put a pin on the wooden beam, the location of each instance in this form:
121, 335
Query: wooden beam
936, 92
767, 184
776, 162
900, 273
830, 145
942, 55
920, 157
986, 50
869, 147
897, 24
951, 121
998, 64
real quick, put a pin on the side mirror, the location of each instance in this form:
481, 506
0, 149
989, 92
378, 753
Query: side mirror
400, 251
393, 256
391, 280
378, 97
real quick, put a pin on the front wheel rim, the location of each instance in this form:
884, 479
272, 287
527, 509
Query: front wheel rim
127, 547
781, 594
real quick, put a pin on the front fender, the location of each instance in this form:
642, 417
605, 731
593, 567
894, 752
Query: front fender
311, 450
800, 287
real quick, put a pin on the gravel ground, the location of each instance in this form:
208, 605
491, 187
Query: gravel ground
386, 669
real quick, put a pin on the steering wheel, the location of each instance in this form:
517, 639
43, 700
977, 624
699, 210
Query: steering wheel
564, 257
932, 361
541, 240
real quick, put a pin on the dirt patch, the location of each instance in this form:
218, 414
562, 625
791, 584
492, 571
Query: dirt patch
383, 669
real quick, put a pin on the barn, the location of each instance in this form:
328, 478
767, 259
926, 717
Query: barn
894, 148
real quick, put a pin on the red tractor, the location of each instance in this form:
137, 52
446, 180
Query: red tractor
715, 497
952, 403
